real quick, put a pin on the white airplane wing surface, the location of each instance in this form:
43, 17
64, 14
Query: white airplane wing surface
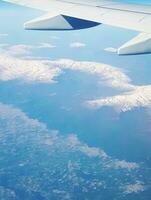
79, 14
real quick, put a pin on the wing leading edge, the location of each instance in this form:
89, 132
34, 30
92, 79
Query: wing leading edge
71, 15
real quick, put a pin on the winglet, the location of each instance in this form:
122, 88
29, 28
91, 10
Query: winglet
138, 45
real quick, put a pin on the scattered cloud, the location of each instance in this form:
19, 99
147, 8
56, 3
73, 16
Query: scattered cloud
20, 49
125, 165
111, 49
54, 37
24, 49
134, 188
14, 118
46, 46
65, 154
73, 142
77, 45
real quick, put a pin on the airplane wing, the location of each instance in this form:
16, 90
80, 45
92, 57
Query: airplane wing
78, 14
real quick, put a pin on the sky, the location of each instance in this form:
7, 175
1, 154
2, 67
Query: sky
74, 116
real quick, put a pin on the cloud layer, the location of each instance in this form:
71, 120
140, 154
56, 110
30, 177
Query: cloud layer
66, 155
132, 96
139, 97
26, 70
60, 159
111, 76
13, 68
45, 71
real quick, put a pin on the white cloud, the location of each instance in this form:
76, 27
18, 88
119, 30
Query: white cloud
46, 46
64, 195
77, 45
133, 96
24, 49
27, 70
54, 37
112, 76
134, 188
45, 70
122, 164
139, 97
14, 118
111, 49
20, 49
73, 143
